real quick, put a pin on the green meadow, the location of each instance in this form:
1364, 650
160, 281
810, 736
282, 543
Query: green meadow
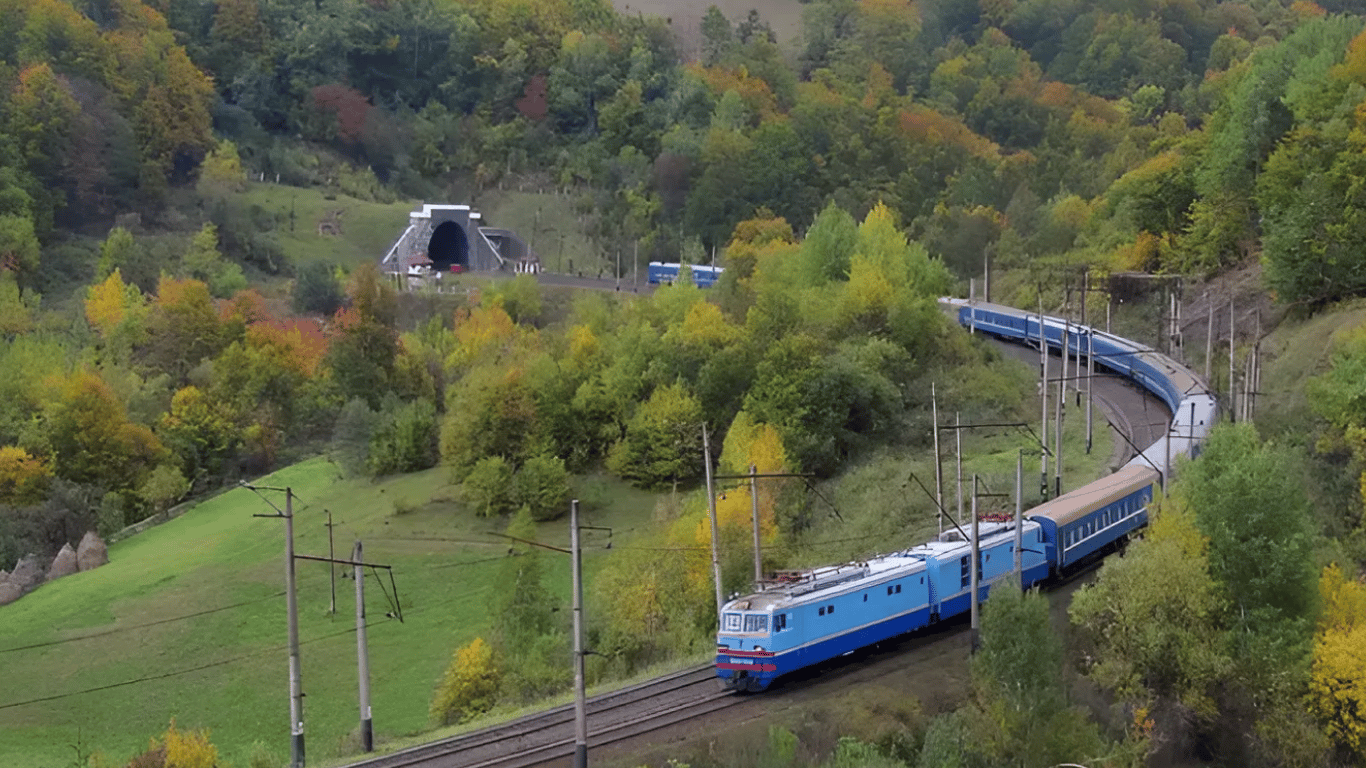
193, 609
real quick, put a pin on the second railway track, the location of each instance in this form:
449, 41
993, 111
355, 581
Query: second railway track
548, 736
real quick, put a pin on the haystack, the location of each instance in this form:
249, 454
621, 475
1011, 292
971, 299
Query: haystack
64, 564
92, 552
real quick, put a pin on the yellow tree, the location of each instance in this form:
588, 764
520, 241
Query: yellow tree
469, 686
23, 478
112, 302
1337, 683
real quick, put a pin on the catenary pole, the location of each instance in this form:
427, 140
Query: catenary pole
976, 553
958, 436
938, 463
1043, 401
331, 567
754, 505
1090, 382
1209, 337
367, 732
296, 693
1019, 516
580, 700
711, 509
1057, 426
1231, 390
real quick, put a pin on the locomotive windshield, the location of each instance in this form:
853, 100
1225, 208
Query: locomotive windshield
756, 622
732, 622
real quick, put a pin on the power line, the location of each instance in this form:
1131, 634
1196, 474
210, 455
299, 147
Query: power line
176, 673
117, 630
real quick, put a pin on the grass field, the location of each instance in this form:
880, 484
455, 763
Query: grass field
685, 17
368, 229
218, 555
220, 562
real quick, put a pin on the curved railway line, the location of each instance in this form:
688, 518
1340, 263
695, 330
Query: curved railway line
674, 706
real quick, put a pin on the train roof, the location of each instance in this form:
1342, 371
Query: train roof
821, 583
1075, 504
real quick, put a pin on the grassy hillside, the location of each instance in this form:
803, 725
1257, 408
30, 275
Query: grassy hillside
221, 566
367, 229
219, 555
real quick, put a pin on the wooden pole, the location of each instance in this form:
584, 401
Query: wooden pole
938, 463
754, 504
976, 554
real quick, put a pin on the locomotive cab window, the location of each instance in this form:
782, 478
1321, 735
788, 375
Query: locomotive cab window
732, 622
756, 622
780, 622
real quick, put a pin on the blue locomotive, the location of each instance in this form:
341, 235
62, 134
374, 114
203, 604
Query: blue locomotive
803, 618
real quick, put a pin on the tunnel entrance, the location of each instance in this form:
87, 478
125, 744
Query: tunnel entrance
449, 246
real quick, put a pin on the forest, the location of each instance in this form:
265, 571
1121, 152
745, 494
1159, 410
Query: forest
158, 341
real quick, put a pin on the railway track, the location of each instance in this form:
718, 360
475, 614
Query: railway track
546, 737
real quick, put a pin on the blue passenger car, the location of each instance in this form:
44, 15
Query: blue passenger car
666, 273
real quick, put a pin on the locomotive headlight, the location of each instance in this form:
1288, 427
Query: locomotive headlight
758, 647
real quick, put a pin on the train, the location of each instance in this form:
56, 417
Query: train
802, 618
666, 272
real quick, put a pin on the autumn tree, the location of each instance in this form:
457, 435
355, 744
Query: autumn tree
91, 439
1337, 686
200, 431
469, 686
183, 328
23, 478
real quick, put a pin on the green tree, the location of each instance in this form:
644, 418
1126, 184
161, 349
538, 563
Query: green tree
663, 440
18, 245
488, 486
200, 431
163, 488
316, 290
1154, 617
404, 438
541, 486
1256, 515
350, 447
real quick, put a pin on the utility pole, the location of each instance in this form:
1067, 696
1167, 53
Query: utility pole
711, 509
1209, 337
986, 276
754, 503
1019, 516
580, 700
972, 313
367, 733
1043, 399
1057, 426
1090, 376
958, 436
938, 464
976, 553
332, 567
296, 693
1231, 391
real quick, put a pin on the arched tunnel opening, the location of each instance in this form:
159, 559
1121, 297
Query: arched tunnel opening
449, 246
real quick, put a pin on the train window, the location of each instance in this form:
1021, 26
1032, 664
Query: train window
898, 589
922, 579
829, 609
865, 597
780, 622
963, 571
889, 590
732, 622
756, 622
821, 611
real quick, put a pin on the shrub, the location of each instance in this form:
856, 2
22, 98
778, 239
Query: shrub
469, 686
405, 439
488, 487
351, 437
542, 485
317, 290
